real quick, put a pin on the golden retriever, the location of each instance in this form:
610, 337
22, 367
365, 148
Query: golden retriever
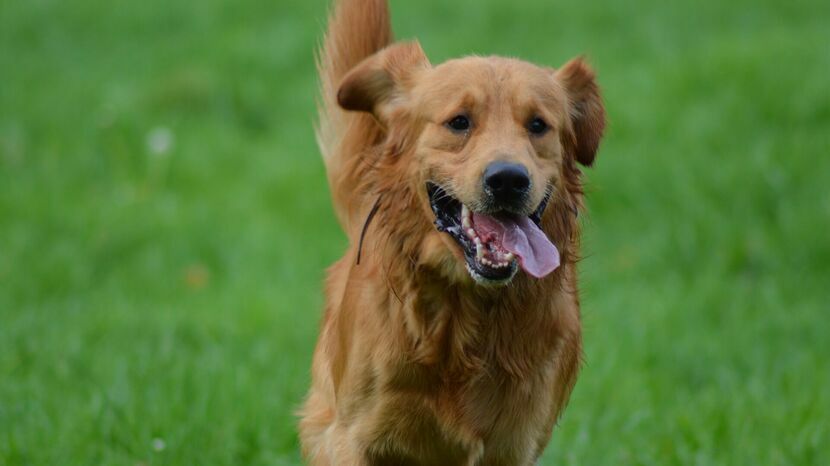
451, 333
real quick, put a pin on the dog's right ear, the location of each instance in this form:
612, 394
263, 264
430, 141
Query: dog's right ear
586, 109
378, 84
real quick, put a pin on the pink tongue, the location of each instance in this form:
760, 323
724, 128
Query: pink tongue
537, 255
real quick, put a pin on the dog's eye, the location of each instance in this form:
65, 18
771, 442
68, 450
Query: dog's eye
537, 126
459, 123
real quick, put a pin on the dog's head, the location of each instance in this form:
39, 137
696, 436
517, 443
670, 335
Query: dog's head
489, 145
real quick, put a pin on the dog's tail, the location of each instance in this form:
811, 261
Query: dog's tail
356, 30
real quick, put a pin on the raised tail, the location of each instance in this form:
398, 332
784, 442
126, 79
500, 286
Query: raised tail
356, 30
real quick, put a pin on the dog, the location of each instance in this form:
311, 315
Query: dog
451, 333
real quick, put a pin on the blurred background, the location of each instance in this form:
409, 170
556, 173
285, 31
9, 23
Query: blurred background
165, 225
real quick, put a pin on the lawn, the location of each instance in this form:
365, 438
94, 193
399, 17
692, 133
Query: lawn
165, 225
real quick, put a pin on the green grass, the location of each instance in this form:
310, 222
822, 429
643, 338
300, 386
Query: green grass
176, 295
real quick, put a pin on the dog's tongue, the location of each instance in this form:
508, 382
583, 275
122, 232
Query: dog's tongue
537, 255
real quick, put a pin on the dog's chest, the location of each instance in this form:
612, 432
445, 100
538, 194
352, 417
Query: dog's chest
507, 412
489, 387
502, 408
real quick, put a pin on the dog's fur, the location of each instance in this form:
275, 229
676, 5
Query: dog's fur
416, 363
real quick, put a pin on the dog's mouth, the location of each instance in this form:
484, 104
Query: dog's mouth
496, 245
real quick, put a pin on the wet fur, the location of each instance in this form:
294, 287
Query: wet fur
415, 363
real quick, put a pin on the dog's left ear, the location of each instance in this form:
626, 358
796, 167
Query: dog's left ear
378, 83
585, 108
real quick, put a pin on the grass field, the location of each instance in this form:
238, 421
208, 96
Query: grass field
165, 224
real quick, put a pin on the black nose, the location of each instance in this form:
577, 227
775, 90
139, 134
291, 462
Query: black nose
507, 182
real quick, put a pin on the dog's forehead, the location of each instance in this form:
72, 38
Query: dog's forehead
486, 78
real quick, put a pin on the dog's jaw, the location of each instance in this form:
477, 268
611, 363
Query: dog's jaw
488, 282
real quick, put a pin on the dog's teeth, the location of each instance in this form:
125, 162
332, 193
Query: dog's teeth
471, 233
477, 240
479, 250
509, 257
466, 219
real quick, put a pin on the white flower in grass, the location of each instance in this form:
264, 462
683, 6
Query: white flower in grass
158, 444
160, 140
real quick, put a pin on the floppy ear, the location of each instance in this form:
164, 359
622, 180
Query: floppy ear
377, 84
586, 109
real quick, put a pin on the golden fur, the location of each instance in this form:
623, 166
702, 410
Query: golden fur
416, 364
